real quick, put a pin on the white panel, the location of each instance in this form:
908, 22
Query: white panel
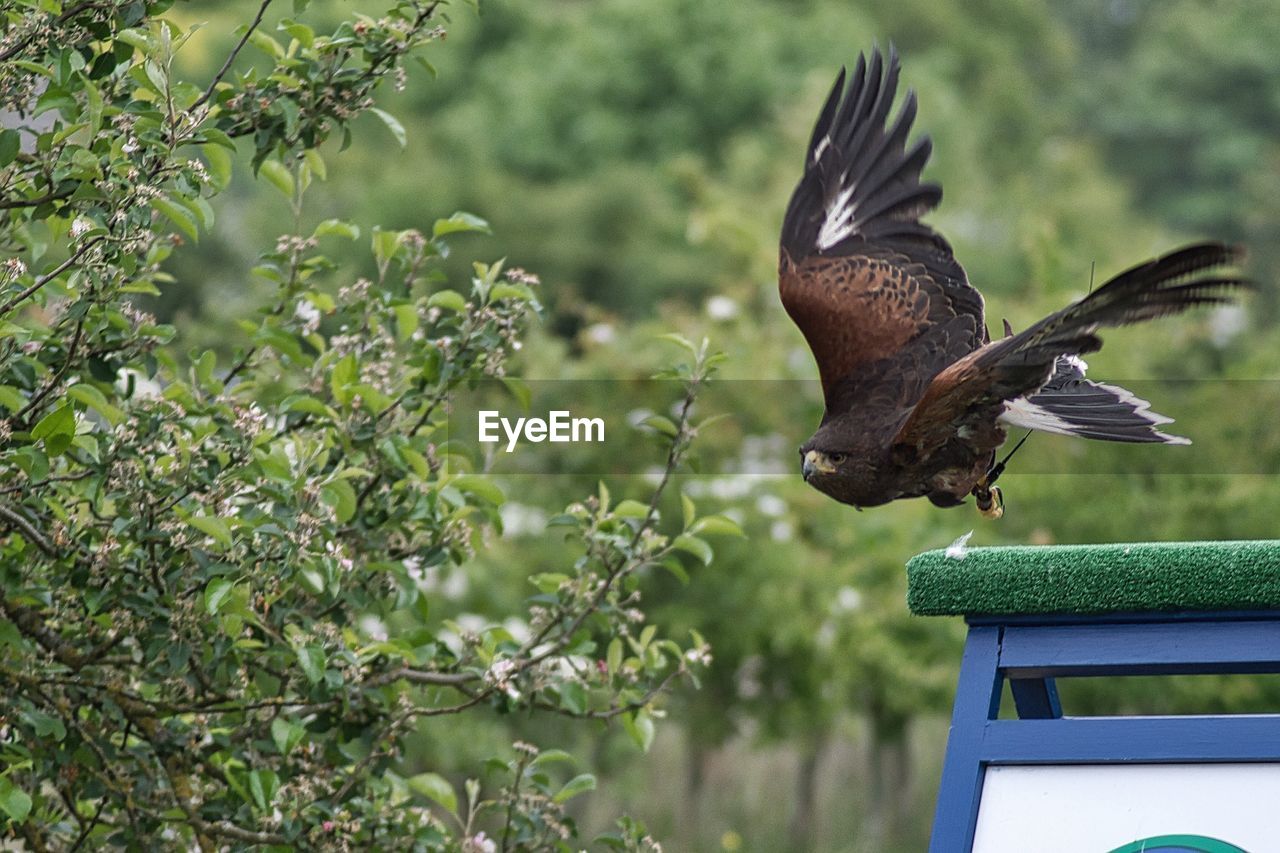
1098, 808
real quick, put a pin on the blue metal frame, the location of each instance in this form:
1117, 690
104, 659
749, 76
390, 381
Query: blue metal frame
1031, 651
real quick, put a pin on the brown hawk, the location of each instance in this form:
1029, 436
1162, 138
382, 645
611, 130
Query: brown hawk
917, 395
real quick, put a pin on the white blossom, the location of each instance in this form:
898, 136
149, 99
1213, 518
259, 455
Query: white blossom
722, 308
14, 268
600, 334
308, 315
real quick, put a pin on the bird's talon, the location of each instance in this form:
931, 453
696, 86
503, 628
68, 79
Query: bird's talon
990, 502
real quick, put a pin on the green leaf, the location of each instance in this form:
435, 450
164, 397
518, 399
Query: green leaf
662, 424
219, 160
47, 725
212, 526
640, 727
451, 299
481, 487
460, 221
507, 290
263, 785
286, 734
94, 399
315, 162
340, 496
672, 565
573, 697
385, 244
406, 321
577, 785
436, 788
304, 34
9, 635
178, 216
312, 660
553, 756
614, 657
344, 374
680, 341
717, 524
393, 124
548, 582
693, 545
10, 143
134, 37
310, 405
201, 211
215, 594
14, 801
631, 509
690, 510
266, 44
11, 398
279, 176
338, 227
56, 429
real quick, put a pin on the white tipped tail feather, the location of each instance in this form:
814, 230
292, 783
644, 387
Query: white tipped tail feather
1069, 404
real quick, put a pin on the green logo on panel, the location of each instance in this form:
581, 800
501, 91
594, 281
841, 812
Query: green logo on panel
1180, 844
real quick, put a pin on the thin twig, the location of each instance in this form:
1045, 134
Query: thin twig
61, 478
226, 66
28, 529
10, 204
49, 276
65, 16
57, 377
614, 572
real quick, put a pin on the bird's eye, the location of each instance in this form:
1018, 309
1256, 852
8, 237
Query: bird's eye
836, 458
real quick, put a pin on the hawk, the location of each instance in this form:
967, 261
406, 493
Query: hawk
917, 395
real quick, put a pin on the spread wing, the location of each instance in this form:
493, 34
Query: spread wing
858, 272
975, 388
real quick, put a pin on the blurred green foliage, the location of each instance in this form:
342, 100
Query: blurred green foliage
638, 157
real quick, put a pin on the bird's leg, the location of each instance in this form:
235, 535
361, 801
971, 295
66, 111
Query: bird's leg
987, 495
990, 500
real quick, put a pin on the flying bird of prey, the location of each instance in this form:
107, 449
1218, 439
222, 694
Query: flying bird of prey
917, 395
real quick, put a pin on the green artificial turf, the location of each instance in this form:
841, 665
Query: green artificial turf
1139, 577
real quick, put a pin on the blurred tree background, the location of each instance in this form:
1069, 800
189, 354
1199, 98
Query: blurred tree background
638, 156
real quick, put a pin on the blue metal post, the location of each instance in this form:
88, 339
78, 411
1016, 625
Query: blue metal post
977, 702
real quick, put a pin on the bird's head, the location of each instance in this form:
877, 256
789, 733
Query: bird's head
839, 474
817, 464
839, 468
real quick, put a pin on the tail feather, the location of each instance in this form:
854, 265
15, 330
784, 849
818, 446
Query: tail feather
1072, 405
1170, 284
1166, 285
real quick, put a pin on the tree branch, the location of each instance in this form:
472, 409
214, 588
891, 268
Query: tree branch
226, 66
57, 377
17, 48
19, 521
10, 204
49, 276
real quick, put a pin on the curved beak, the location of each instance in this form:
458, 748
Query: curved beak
815, 463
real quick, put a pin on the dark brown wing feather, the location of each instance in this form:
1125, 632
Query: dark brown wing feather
858, 272
974, 389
